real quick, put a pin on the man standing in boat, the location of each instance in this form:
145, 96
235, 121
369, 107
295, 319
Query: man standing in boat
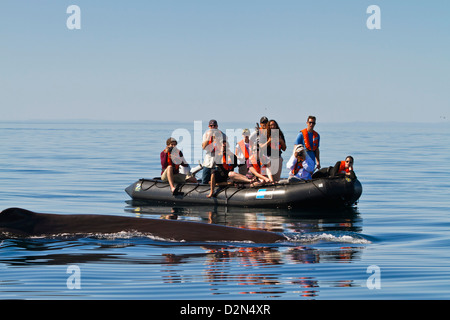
210, 141
310, 139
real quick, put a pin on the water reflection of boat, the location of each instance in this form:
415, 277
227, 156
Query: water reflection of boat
321, 192
270, 219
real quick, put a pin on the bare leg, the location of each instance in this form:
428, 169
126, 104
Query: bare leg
275, 175
213, 184
238, 177
269, 176
260, 176
170, 178
192, 179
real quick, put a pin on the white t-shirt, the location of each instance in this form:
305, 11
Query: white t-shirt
209, 151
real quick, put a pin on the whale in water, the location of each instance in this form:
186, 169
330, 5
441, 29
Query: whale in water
17, 222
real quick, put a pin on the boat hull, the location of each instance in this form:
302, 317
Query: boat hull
328, 192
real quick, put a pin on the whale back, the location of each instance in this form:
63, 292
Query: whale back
21, 222
17, 220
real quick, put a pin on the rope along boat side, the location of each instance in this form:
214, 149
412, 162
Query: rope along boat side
330, 191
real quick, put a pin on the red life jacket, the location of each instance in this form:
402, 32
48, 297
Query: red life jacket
342, 168
315, 142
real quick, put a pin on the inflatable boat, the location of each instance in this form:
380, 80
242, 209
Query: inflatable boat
320, 192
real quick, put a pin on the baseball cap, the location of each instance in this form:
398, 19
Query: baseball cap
299, 148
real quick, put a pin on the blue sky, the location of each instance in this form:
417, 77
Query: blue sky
186, 60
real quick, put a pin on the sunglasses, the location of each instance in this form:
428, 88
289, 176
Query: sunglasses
310, 122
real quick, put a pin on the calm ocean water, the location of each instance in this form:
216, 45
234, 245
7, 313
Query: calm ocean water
394, 245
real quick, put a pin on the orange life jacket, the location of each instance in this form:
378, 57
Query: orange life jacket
255, 163
213, 143
315, 142
244, 149
342, 168
226, 166
297, 168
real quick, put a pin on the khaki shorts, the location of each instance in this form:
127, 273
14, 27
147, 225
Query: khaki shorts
177, 177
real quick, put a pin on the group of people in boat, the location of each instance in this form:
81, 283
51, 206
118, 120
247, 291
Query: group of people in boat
257, 157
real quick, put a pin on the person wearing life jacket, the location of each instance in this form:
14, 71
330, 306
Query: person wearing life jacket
242, 151
299, 165
171, 159
277, 146
260, 129
209, 144
257, 171
310, 139
269, 140
344, 168
224, 169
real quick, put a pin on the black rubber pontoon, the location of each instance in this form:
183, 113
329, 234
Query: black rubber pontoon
329, 192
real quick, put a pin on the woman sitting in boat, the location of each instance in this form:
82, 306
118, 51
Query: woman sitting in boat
300, 166
171, 159
344, 168
257, 172
224, 170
